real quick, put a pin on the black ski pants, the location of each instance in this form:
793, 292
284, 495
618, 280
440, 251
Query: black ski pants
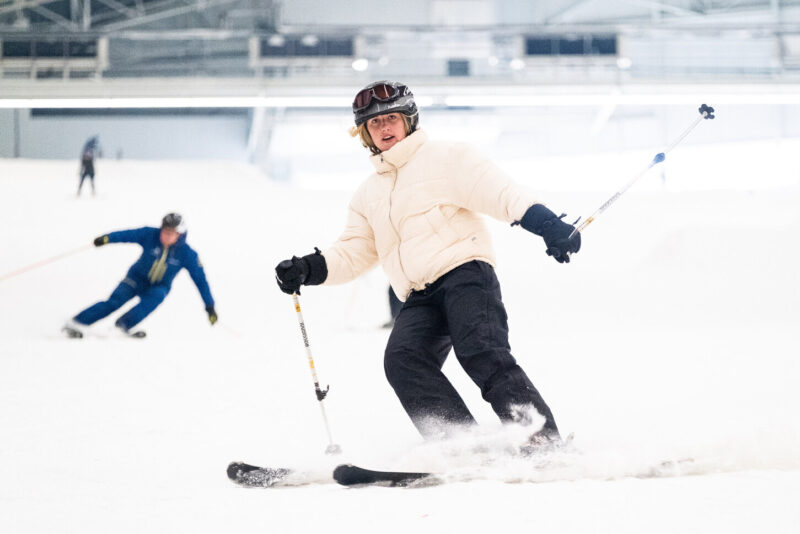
462, 310
87, 169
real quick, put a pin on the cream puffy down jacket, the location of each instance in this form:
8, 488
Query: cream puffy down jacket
418, 215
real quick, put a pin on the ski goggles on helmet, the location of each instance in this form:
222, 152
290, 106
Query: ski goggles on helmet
382, 92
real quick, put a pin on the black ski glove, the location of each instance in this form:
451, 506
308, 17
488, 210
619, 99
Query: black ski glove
100, 241
212, 315
310, 270
555, 232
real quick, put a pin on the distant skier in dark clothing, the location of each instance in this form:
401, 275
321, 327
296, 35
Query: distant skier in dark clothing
150, 278
89, 152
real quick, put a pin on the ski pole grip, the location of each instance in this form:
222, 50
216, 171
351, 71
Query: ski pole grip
322, 393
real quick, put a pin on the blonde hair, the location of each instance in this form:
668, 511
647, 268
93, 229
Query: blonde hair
366, 139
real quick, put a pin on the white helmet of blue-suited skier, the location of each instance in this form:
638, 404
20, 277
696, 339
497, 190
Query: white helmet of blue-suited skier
174, 221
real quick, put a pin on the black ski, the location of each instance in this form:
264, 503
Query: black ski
252, 476
73, 333
352, 475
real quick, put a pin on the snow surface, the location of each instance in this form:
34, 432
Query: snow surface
673, 335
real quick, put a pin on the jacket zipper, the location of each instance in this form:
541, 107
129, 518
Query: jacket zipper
391, 223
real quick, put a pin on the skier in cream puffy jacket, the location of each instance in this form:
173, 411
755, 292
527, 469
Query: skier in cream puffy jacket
419, 216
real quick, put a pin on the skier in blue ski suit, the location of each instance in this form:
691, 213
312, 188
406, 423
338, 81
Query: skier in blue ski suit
165, 252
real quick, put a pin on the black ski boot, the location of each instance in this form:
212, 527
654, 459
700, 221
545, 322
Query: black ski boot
139, 334
72, 329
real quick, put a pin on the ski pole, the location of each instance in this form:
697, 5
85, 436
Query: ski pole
332, 448
41, 263
706, 112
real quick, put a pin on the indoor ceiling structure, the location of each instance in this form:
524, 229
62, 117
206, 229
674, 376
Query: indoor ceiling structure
251, 51
468, 39
606, 73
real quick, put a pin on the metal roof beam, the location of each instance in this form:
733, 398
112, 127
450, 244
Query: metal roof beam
18, 5
121, 8
666, 7
54, 17
86, 15
563, 11
196, 6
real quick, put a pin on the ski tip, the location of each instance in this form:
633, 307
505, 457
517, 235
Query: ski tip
235, 469
72, 333
352, 475
253, 476
344, 474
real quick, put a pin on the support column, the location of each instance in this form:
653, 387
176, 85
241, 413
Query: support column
17, 147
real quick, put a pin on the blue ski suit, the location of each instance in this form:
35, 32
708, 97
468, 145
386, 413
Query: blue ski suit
150, 278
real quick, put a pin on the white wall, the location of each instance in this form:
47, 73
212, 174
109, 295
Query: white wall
561, 143
137, 137
313, 149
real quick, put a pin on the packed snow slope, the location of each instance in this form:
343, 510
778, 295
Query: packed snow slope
673, 335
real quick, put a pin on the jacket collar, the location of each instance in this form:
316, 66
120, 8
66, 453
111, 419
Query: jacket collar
399, 154
179, 243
